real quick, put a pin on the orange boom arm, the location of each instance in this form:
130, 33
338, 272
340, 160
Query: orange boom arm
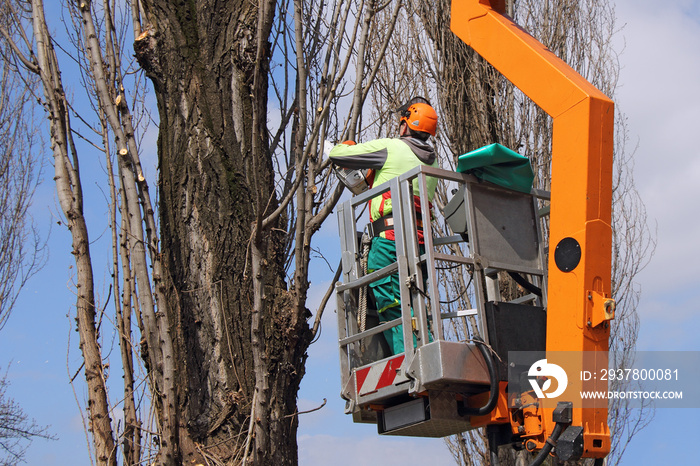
580, 240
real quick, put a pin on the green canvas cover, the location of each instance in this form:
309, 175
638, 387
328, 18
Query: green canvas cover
499, 165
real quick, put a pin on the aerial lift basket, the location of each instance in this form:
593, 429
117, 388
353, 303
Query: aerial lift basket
419, 392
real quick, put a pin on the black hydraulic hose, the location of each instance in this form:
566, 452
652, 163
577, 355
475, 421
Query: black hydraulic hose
549, 444
492, 432
493, 376
520, 280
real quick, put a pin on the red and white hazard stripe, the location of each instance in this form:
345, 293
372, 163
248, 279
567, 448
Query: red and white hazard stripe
380, 375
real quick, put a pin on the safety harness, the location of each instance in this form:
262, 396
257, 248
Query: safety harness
387, 223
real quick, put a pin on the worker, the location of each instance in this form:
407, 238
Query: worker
389, 158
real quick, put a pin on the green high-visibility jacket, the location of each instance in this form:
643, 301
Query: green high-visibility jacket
389, 158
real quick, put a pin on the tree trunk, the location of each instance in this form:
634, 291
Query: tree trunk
231, 316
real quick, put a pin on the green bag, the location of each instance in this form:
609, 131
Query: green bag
499, 165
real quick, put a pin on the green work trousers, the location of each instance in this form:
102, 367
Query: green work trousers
387, 291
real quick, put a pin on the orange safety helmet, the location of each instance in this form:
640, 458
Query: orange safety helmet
419, 115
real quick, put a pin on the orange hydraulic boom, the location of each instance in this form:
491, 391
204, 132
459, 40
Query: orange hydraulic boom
579, 281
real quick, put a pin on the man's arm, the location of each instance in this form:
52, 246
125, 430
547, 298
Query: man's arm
372, 154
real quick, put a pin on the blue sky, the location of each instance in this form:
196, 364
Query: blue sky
659, 94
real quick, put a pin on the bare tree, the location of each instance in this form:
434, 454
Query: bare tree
633, 246
16, 429
22, 252
217, 312
44, 64
222, 159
